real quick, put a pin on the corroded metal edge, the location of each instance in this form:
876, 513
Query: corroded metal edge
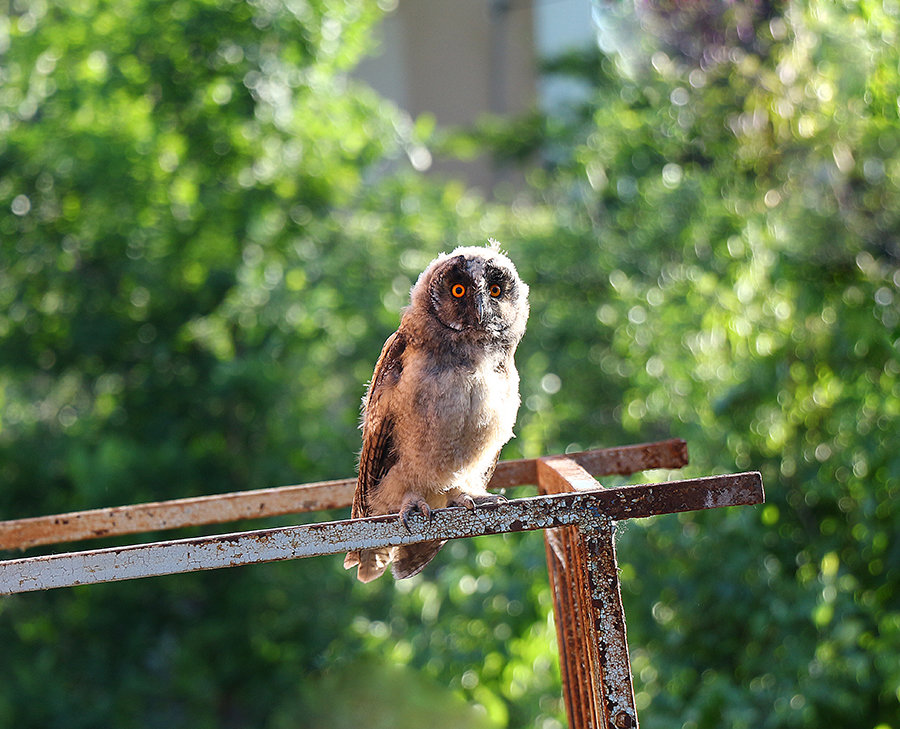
585, 509
607, 616
223, 508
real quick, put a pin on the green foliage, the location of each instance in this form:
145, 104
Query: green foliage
207, 231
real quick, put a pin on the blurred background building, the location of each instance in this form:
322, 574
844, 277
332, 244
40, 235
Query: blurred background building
459, 61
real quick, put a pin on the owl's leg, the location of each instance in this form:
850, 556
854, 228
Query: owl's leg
413, 502
470, 502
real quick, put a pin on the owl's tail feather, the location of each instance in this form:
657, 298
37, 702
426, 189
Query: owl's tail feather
411, 559
370, 563
408, 560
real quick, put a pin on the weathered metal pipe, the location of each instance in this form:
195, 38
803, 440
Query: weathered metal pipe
586, 509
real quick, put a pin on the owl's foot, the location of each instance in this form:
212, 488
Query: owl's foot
470, 502
413, 503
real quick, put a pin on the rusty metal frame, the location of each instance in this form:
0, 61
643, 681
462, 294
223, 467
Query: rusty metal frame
577, 517
319, 496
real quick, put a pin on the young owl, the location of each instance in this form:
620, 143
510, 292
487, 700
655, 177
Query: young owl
442, 400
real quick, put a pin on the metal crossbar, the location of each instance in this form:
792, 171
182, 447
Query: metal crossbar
320, 496
578, 520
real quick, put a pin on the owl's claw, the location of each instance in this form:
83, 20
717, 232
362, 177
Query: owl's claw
470, 502
411, 504
490, 499
463, 500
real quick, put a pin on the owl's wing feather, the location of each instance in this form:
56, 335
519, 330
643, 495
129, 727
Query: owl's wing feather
410, 559
489, 471
377, 455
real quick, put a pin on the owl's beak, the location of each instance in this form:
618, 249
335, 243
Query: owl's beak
479, 309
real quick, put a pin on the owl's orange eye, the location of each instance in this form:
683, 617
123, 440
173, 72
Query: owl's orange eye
458, 290
495, 290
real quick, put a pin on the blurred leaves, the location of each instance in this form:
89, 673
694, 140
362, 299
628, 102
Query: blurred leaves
207, 229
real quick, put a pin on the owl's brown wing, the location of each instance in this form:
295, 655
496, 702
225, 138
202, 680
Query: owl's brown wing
377, 455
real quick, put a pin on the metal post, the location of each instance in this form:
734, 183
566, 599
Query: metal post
609, 646
590, 621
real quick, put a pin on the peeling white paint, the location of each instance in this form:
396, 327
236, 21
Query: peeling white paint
588, 510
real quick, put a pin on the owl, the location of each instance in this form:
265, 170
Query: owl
442, 401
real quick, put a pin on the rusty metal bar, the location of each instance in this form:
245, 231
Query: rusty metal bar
606, 619
567, 584
222, 508
626, 460
539, 512
162, 515
596, 673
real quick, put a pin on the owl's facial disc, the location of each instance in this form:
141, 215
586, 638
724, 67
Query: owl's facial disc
470, 294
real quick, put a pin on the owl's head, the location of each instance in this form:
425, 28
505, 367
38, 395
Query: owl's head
475, 292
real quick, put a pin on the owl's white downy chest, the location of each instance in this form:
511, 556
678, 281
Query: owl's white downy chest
462, 414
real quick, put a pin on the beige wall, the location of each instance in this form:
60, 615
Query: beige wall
457, 59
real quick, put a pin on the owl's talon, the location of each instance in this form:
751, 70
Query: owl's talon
463, 500
414, 504
490, 499
470, 502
